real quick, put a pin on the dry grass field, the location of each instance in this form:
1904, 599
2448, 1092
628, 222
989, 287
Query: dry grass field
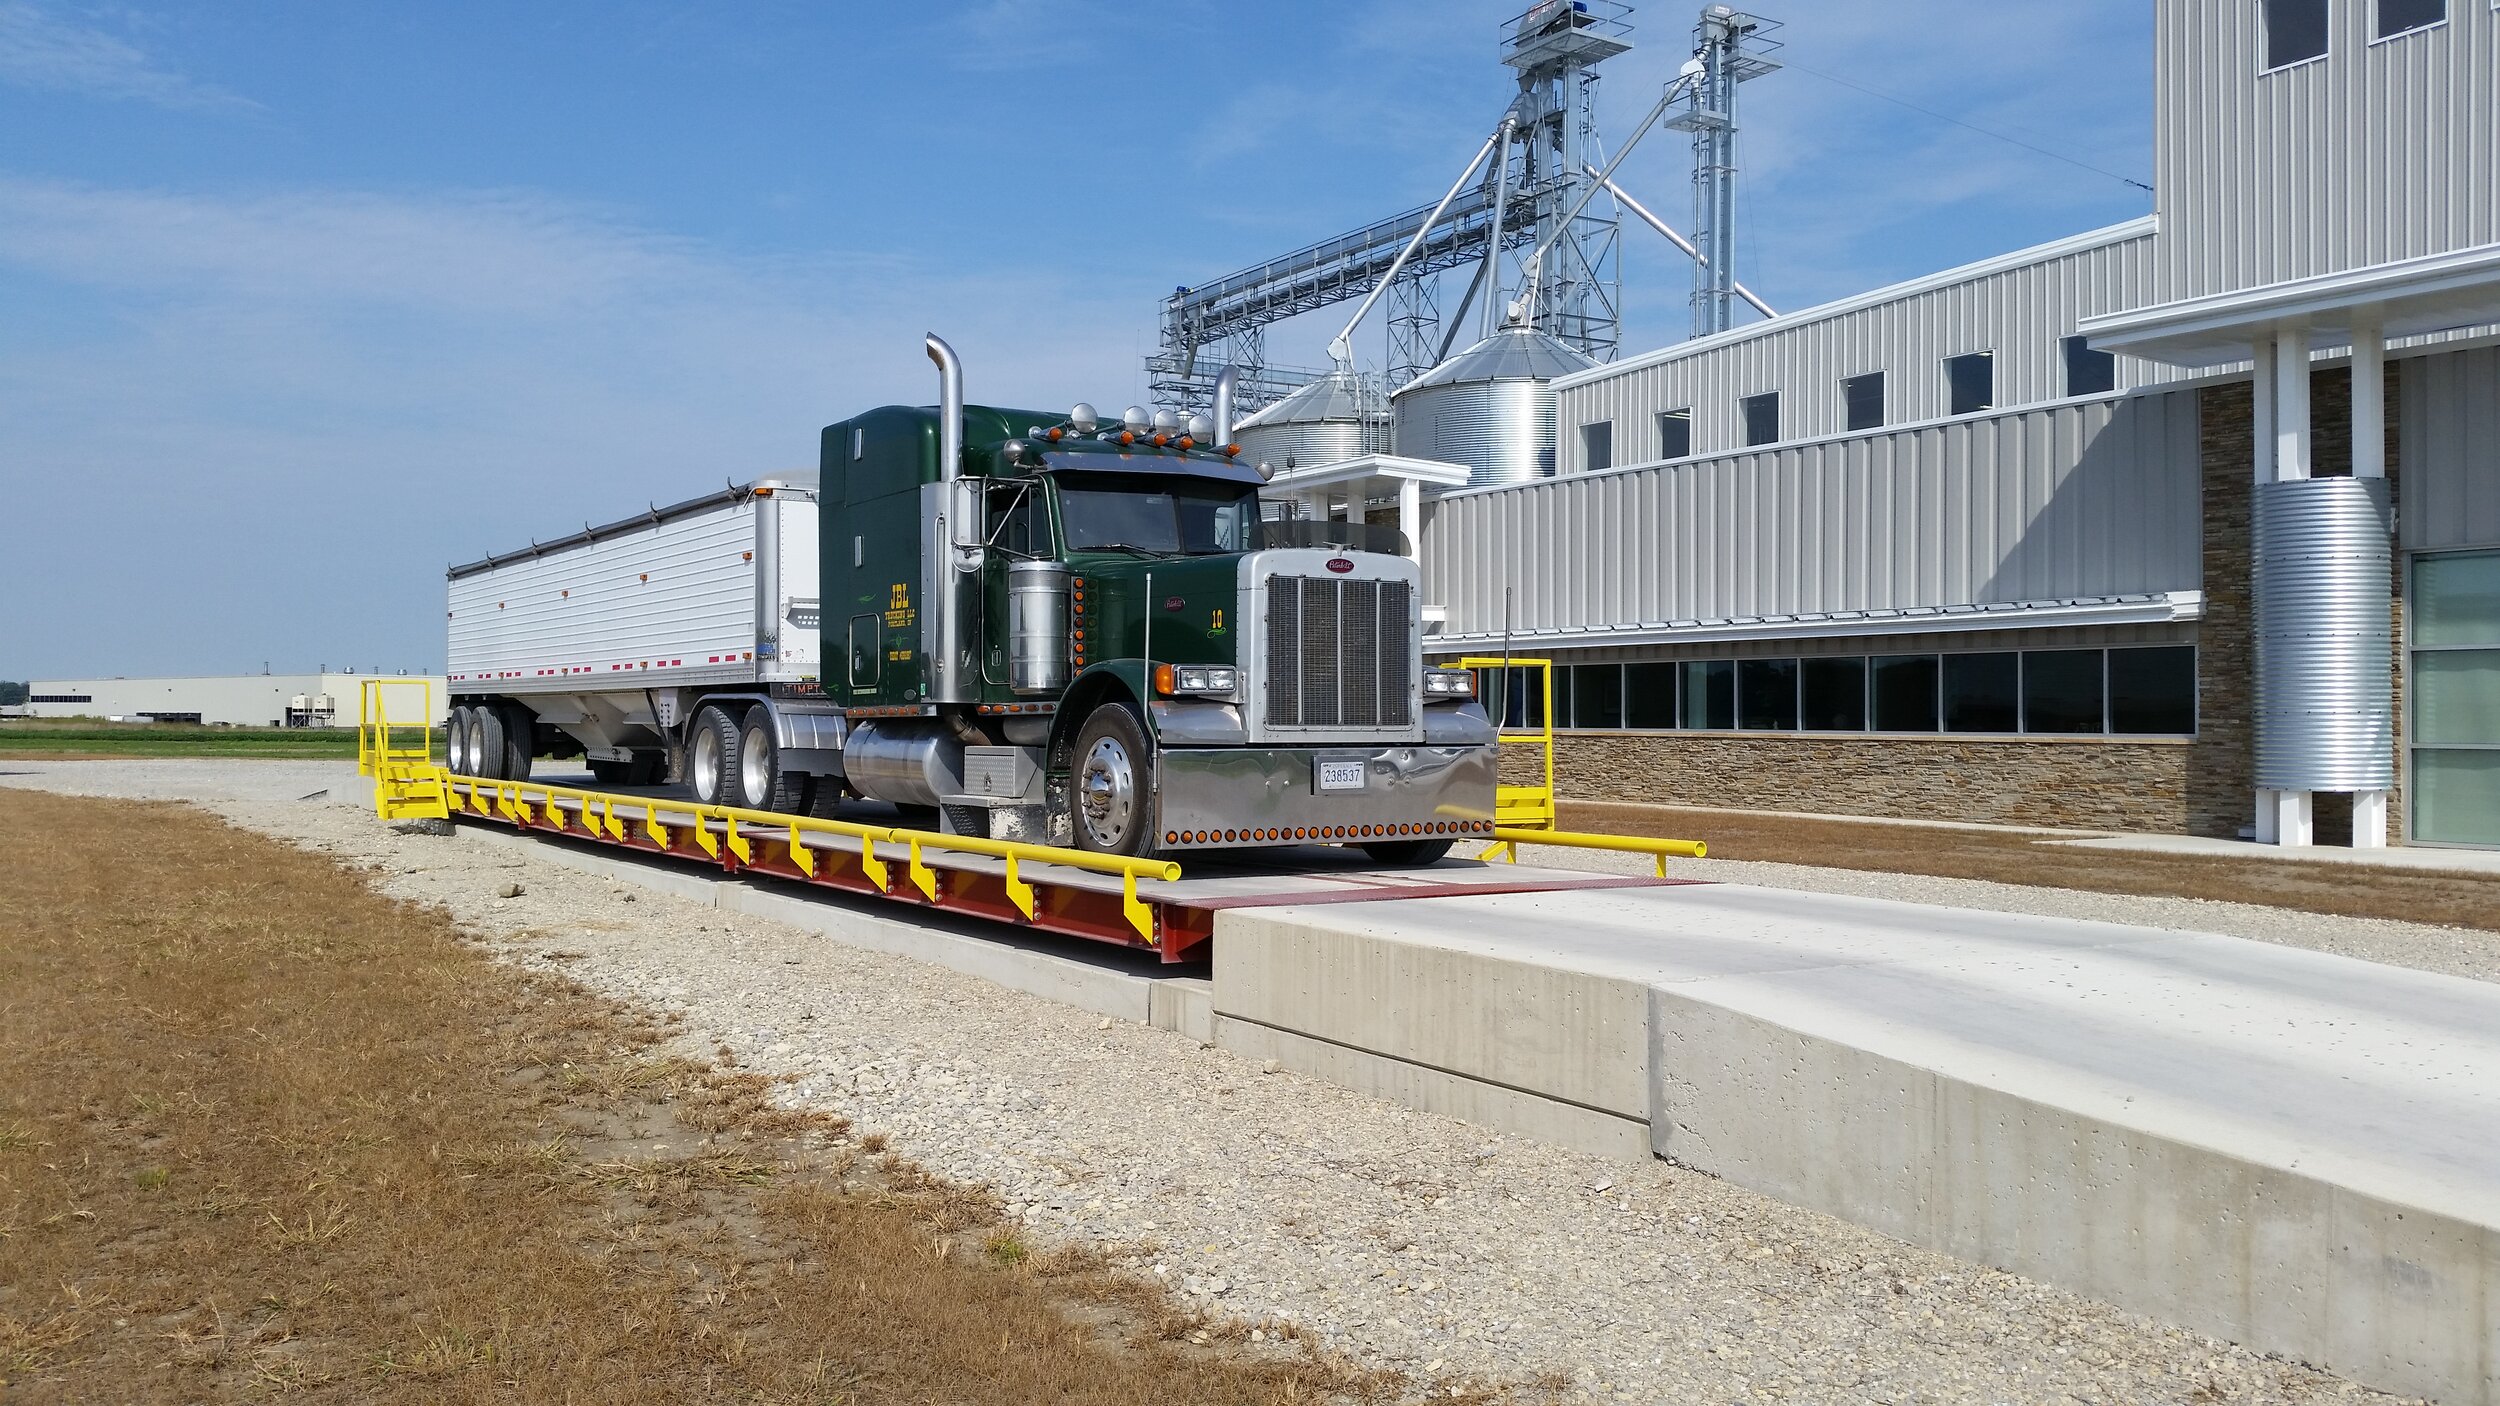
2011, 857
265, 1135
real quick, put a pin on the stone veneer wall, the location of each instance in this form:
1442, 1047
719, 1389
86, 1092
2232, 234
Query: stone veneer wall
2080, 783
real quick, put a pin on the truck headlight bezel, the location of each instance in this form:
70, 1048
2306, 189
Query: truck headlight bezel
1447, 684
1205, 681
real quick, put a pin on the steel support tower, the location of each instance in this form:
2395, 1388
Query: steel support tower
1728, 47
1555, 47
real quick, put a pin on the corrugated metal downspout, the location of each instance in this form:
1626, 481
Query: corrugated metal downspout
2325, 707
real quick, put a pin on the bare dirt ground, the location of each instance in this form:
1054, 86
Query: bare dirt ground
1405, 1241
266, 1134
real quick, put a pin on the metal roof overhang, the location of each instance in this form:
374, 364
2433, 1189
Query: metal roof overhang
1371, 474
2436, 293
2151, 608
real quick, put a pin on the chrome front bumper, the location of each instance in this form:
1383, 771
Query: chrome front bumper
1256, 797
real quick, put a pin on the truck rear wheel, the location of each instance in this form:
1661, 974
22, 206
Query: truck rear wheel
456, 748
712, 756
486, 744
1111, 796
520, 741
762, 784
1408, 854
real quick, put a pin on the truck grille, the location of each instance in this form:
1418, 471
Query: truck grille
1339, 653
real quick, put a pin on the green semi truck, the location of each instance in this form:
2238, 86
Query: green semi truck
1027, 625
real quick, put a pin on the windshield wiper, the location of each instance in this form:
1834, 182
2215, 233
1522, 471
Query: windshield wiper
1129, 547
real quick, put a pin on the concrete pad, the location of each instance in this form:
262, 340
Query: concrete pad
2295, 1150
1184, 1005
1429, 1090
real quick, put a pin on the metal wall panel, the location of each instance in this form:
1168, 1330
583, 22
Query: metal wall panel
2081, 498
2377, 152
2016, 308
2449, 454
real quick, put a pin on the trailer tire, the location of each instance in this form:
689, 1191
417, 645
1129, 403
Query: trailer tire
647, 769
712, 756
486, 742
1111, 791
762, 784
611, 773
456, 742
520, 741
1407, 854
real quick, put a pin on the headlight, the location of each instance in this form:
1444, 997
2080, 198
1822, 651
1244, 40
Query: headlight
1449, 683
1219, 679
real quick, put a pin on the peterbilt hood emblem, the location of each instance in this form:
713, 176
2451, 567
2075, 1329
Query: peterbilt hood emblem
1340, 565
1173, 602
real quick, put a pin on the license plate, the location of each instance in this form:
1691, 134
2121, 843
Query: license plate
1341, 776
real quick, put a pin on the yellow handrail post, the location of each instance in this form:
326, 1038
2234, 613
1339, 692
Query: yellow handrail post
1018, 891
803, 858
874, 867
923, 877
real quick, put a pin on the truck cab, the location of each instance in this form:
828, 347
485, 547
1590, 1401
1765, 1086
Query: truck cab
1040, 626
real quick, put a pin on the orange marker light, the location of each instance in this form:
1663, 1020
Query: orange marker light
1163, 678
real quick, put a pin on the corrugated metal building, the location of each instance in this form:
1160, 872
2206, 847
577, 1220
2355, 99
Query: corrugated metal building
1992, 544
235, 700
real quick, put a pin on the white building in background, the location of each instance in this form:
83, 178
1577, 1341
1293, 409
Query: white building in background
244, 700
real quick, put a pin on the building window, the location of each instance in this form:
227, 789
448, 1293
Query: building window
1971, 381
1675, 434
1904, 689
2404, 16
61, 698
1832, 695
1862, 400
2153, 689
2062, 691
1762, 418
1649, 695
1597, 446
2088, 372
1981, 692
2295, 32
2454, 690
1597, 695
1709, 689
1766, 695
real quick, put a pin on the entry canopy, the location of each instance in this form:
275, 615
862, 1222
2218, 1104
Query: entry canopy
2431, 294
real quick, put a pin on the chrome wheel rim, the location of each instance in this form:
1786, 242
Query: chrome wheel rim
707, 777
1106, 792
755, 769
456, 745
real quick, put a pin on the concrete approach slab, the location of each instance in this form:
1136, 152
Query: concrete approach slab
2294, 1150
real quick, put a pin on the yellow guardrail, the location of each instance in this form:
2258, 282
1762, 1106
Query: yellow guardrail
380, 742
1531, 806
1508, 839
714, 828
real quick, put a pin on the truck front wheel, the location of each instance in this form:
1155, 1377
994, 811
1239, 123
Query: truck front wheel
1111, 794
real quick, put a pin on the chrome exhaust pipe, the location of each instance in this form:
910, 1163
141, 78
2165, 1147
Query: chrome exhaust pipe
952, 556
1224, 380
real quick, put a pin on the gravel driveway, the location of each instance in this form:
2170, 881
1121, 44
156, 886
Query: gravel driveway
1398, 1236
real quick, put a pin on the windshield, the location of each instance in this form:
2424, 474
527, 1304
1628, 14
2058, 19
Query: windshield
1111, 512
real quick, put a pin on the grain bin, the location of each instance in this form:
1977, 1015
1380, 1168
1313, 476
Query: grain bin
1339, 416
1491, 407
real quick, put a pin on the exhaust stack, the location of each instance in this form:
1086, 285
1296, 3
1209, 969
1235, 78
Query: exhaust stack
1224, 380
951, 560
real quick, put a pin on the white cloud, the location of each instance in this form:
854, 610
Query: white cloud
339, 393
38, 50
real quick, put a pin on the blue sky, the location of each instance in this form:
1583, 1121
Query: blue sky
300, 302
